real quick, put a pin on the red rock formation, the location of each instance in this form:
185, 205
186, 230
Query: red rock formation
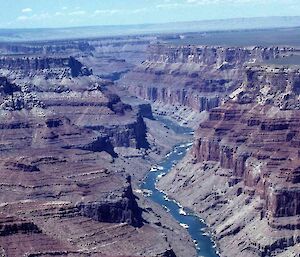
60, 195
195, 76
242, 175
260, 151
256, 143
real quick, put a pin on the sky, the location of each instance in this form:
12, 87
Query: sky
72, 13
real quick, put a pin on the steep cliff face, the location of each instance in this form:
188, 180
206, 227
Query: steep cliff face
127, 135
47, 47
48, 66
246, 159
199, 77
214, 55
259, 150
118, 209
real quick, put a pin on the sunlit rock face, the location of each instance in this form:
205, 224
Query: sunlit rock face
199, 77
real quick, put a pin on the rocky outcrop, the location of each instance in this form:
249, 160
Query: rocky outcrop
199, 77
11, 225
214, 55
267, 84
128, 135
116, 123
144, 110
47, 47
118, 209
15, 97
49, 66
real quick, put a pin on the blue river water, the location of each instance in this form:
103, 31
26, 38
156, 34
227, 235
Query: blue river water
196, 227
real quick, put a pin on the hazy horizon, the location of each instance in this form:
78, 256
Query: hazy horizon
170, 22
78, 13
235, 24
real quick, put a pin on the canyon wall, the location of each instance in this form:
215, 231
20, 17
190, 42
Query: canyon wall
109, 57
61, 124
242, 174
199, 77
49, 66
64, 189
47, 48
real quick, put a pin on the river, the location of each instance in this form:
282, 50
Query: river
194, 225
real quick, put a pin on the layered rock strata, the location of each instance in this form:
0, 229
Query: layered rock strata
64, 192
48, 66
47, 48
242, 174
109, 58
199, 77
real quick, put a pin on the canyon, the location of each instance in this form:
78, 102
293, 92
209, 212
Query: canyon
241, 175
70, 148
79, 135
